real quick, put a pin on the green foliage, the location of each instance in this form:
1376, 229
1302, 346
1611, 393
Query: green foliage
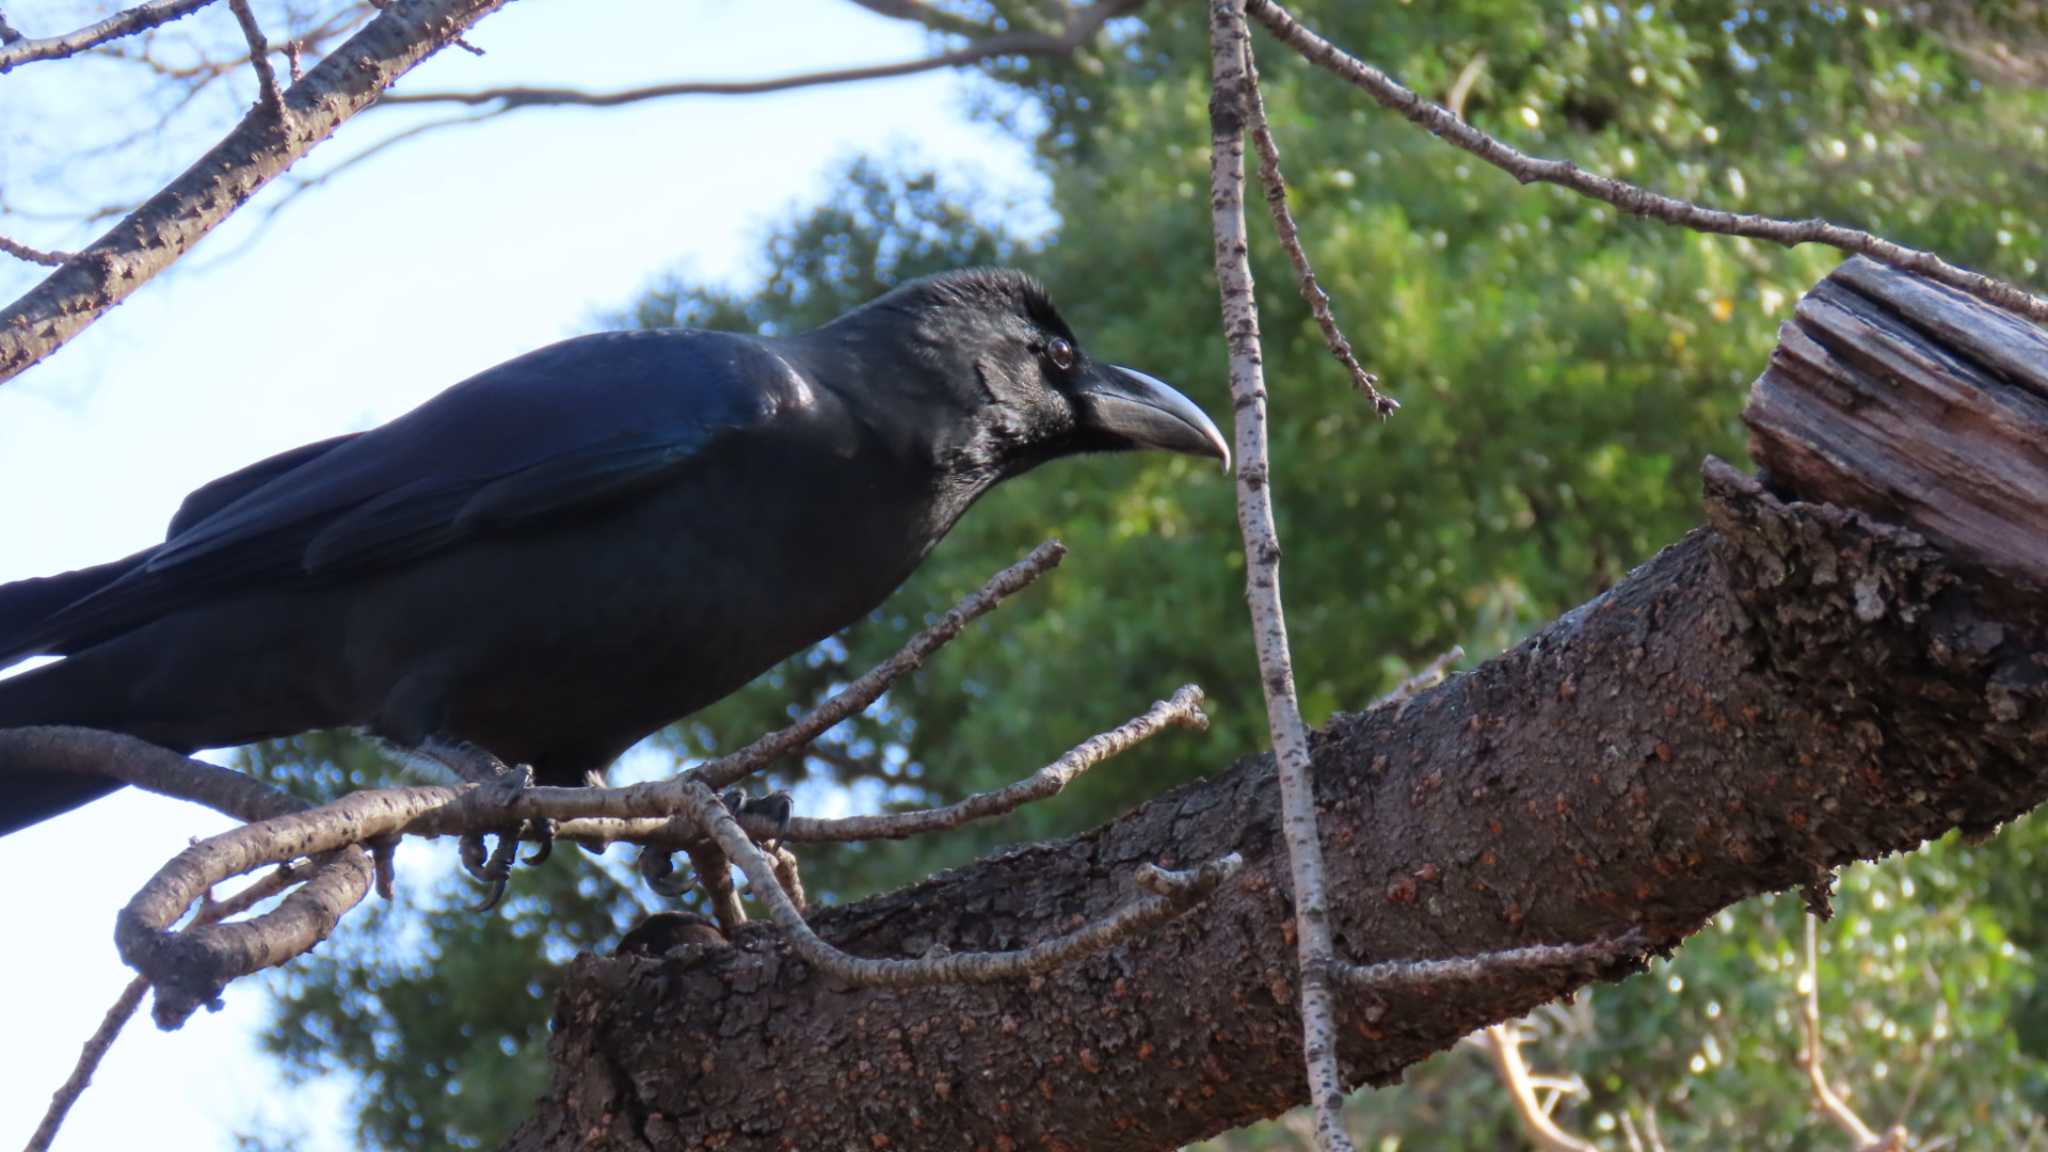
1562, 371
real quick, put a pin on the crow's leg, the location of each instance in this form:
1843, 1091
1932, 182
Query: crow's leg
657, 867
479, 767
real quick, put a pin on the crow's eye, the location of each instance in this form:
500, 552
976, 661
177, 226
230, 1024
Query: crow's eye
1060, 352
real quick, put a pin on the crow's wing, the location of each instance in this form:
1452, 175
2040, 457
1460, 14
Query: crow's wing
562, 428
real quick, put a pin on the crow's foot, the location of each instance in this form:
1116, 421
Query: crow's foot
775, 807
494, 869
658, 868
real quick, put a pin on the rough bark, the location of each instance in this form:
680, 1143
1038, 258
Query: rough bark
1791, 688
263, 145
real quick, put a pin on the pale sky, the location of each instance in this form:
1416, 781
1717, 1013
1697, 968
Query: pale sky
437, 259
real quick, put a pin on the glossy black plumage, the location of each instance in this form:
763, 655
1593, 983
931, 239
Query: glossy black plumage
563, 554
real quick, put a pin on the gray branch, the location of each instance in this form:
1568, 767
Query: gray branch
1440, 122
17, 49
169, 223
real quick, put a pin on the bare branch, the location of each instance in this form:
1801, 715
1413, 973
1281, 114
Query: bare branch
919, 12
1170, 894
1440, 122
1290, 239
1504, 1044
269, 96
1431, 675
22, 251
16, 49
189, 968
96, 1048
1861, 1137
1390, 975
103, 1037
1080, 25
736, 766
1184, 710
169, 223
1229, 106
87, 752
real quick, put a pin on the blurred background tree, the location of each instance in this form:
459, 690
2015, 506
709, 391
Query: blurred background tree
1563, 373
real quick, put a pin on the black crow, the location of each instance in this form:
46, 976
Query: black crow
557, 557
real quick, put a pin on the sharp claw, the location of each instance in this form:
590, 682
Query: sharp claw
542, 832
474, 856
658, 869
492, 894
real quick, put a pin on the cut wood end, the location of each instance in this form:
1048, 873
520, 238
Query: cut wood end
1915, 404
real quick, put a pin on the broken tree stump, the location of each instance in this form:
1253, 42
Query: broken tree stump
1916, 404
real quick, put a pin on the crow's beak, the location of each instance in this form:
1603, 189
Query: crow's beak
1132, 410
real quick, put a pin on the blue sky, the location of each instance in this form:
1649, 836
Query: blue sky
429, 262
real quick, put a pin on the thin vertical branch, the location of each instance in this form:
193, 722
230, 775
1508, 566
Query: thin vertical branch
269, 95
1860, 1134
1230, 53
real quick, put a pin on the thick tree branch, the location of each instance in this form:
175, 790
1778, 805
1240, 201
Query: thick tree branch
169, 223
17, 49
1796, 687
1440, 122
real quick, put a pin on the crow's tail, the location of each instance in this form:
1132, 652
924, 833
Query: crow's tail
27, 606
45, 695
60, 693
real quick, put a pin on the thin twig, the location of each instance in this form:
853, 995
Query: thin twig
1431, 675
96, 1047
1184, 710
18, 49
675, 832
103, 1037
1860, 1134
1080, 25
20, 251
269, 95
920, 12
1390, 975
1230, 50
1440, 122
180, 214
730, 769
1504, 1043
1169, 894
1312, 292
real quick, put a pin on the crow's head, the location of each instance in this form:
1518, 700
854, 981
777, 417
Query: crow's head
987, 346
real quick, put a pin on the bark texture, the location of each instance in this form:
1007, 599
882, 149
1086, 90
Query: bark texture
1794, 687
